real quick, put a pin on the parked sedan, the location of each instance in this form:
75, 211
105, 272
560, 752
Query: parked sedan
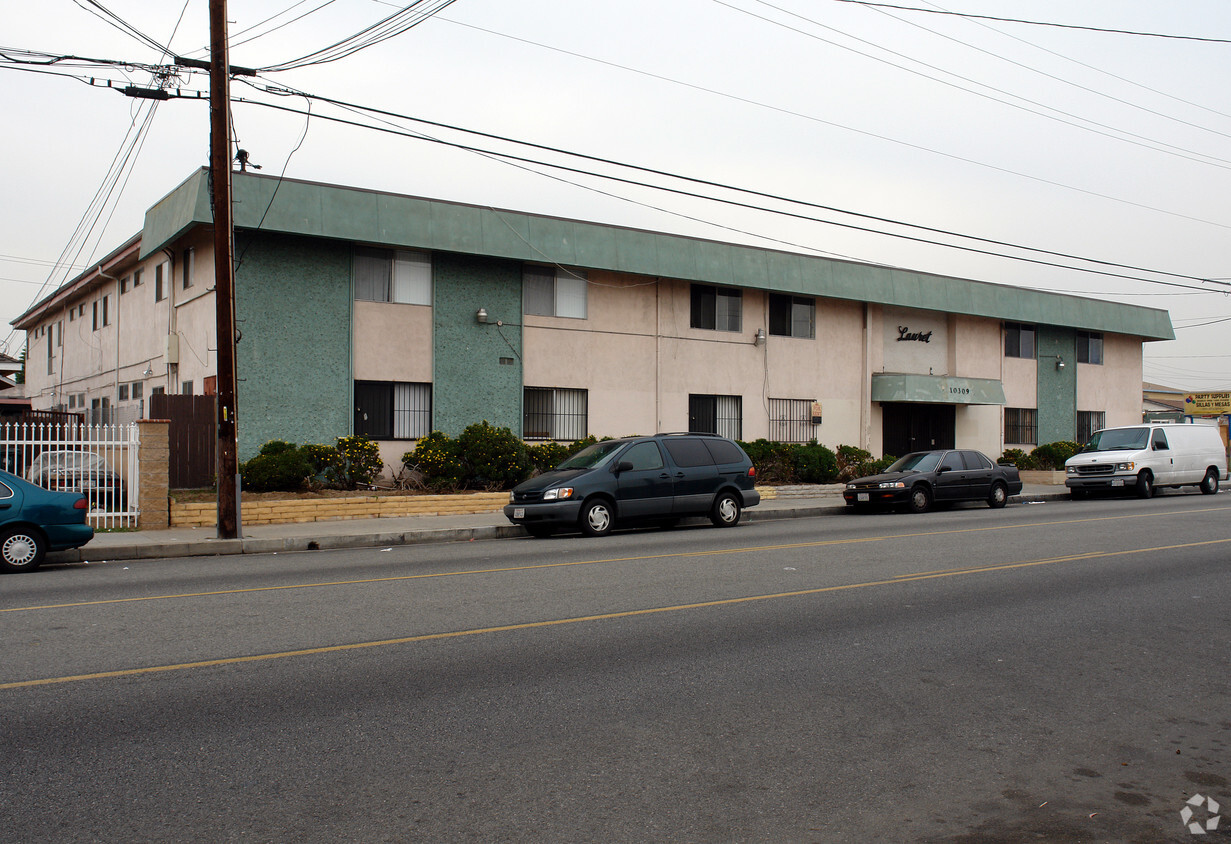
34, 521
923, 478
79, 471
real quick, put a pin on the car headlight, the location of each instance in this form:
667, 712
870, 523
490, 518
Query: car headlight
1125, 467
892, 485
558, 494
1070, 470
512, 497
850, 486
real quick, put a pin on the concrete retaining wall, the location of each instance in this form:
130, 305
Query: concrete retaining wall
205, 513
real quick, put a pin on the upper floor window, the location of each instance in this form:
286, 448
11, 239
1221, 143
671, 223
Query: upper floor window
160, 282
137, 278
554, 292
190, 261
1089, 347
386, 275
102, 312
792, 316
1018, 341
716, 308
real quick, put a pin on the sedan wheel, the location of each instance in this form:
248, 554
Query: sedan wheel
596, 518
920, 499
998, 497
21, 550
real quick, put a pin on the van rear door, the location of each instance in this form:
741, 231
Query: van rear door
696, 477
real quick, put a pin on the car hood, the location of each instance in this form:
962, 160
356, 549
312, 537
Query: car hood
547, 480
888, 476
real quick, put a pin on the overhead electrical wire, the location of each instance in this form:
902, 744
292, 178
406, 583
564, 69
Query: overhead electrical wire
712, 184
111, 18
1038, 23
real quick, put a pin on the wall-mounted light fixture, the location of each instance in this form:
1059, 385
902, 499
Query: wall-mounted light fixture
148, 372
1059, 362
480, 316
759, 340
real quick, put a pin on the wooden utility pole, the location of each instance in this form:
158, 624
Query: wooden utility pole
224, 268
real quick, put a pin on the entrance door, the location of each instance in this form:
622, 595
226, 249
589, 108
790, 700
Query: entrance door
917, 427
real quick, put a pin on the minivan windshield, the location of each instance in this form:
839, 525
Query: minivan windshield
592, 455
920, 461
1118, 439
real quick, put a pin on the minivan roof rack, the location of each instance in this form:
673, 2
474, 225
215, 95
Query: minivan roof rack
686, 434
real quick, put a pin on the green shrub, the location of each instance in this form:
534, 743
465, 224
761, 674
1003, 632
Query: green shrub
1017, 457
494, 458
851, 462
814, 464
279, 467
1052, 455
438, 457
546, 456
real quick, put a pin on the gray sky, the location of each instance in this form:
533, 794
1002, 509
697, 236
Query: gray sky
1109, 147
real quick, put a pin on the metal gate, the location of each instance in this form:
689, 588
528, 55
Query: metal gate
99, 461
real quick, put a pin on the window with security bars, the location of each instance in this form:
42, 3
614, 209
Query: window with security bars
723, 415
393, 410
550, 291
790, 421
1089, 421
386, 275
792, 316
1021, 426
555, 414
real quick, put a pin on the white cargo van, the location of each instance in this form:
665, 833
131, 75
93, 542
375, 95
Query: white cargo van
1145, 457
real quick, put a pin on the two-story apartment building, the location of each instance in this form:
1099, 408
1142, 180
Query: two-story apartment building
372, 313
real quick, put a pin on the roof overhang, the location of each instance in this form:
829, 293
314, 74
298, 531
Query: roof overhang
936, 389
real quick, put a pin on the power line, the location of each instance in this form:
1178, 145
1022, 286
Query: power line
111, 18
1038, 23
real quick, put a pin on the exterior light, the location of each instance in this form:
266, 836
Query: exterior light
480, 316
1059, 362
759, 340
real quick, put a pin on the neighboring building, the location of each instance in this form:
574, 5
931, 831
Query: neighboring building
371, 313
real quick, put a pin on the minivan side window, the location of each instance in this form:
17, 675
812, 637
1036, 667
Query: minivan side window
1160, 440
688, 452
644, 456
724, 451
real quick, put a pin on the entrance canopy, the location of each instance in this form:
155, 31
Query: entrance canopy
936, 389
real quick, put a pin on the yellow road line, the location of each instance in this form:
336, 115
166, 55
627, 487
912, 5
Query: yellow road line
532, 625
718, 552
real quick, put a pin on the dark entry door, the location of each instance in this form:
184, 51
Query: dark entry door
917, 427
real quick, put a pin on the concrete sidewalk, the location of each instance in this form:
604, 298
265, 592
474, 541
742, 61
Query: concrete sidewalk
412, 530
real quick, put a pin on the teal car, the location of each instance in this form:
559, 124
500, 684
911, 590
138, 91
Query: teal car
34, 521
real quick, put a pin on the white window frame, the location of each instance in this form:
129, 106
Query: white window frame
555, 292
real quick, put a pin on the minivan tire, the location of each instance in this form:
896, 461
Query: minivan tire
1145, 485
597, 517
726, 510
1209, 485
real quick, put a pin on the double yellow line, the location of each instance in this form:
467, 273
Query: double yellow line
532, 625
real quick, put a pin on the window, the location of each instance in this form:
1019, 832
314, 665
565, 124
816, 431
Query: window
1090, 347
389, 410
106, 310
51, 356
1089, 421
644, 457
1018, 343
554, 414
383, 275
123, 392
554, 292
1158, 440
716, 308
124, 282
138, 389
102, 312
158, 391
790, 421
137, 278
190, 260
186, 388
159, 292
716, 415
792, 316
1021, 426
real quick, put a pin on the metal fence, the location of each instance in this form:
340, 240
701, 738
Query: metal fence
99, 461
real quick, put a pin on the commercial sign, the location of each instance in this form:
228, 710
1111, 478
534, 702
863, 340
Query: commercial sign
1207, 404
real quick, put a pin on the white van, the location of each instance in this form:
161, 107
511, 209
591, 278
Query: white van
1144, 457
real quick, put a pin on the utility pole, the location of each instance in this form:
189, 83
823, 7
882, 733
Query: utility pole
224, 268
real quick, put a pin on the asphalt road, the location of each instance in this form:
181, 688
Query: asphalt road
1050, 672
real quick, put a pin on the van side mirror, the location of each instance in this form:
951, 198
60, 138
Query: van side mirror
623, 466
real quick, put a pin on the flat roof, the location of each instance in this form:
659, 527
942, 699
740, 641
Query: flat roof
311, 209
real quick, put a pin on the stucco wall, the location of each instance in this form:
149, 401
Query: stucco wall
393, 342
1115, 386
293, 305
1057, 390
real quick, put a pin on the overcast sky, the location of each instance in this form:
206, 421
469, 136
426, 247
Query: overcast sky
1103, 146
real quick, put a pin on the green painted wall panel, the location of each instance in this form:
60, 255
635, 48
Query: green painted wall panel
1057, 388
470, 384
293, 308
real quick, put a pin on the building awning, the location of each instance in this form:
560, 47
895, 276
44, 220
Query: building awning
936, 389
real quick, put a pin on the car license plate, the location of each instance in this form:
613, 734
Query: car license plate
1118, 482
87, 484
862, 496
519, 513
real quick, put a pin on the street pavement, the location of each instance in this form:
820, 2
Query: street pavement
790, 502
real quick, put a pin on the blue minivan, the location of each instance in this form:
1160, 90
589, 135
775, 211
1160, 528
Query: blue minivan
659, 478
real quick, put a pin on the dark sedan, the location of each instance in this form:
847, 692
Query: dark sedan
34, 521
923, 478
